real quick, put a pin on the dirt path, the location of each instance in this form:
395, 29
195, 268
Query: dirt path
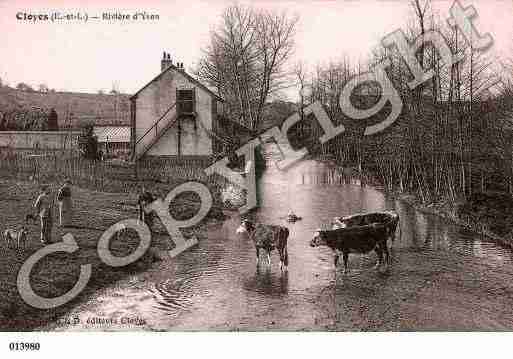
425, 291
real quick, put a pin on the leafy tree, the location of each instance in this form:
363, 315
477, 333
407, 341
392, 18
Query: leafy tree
88, 143
53, 123
24, 87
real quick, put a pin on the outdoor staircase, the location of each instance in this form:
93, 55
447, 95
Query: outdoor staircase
155, 132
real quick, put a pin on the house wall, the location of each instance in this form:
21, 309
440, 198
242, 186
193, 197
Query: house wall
153, 101
51, 140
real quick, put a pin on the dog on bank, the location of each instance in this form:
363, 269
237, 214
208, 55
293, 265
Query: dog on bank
18, 238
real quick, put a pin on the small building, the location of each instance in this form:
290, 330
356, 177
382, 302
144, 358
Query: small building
113, 141
174, 115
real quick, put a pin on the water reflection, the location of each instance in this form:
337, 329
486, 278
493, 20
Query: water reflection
267, 282
219, 277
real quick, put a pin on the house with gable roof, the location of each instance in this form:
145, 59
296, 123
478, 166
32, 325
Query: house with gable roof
175, 115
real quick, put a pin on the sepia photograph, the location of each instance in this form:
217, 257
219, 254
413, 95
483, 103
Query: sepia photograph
256, 166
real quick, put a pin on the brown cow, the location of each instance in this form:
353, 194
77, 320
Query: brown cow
267, 237
389, 218
361, 239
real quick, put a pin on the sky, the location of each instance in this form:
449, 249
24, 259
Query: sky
88, 56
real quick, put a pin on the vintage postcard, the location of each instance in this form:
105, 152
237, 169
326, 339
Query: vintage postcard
333, 166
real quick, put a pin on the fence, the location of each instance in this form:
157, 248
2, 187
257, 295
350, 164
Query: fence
106, 176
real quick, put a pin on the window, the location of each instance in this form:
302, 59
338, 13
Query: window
186, 101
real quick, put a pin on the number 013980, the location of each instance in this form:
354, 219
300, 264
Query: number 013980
25, 347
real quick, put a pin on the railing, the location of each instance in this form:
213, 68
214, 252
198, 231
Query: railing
153, 133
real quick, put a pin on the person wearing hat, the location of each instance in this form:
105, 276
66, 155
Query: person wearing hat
65, 204
43, 206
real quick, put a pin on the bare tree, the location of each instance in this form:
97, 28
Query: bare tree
301, 74
245, 60
115, 88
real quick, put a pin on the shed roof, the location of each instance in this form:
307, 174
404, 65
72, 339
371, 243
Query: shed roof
112, 133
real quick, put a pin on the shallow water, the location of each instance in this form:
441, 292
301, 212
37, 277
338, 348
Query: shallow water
217, 285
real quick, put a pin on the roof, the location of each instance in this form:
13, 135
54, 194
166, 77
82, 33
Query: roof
112, 133
183, 72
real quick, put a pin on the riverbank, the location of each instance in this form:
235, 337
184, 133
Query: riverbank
489, 214
465, 215
427, 290
57, 273
441, 277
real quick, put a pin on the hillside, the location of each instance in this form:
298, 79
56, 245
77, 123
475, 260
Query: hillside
105, 109
85, 107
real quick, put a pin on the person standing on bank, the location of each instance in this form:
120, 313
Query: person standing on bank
65, 204
145, 198
43, 207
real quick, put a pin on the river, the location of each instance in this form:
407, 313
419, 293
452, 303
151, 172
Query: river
442, 277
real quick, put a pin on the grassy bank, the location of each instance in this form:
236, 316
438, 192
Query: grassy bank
57, 273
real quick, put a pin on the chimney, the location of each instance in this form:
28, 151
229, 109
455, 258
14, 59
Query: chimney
165, 62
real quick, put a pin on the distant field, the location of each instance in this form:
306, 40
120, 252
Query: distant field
84, 106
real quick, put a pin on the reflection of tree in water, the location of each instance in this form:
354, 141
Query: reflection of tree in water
420, 228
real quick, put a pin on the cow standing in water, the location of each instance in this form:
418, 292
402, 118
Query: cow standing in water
389, 218
354, 240
267, 237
